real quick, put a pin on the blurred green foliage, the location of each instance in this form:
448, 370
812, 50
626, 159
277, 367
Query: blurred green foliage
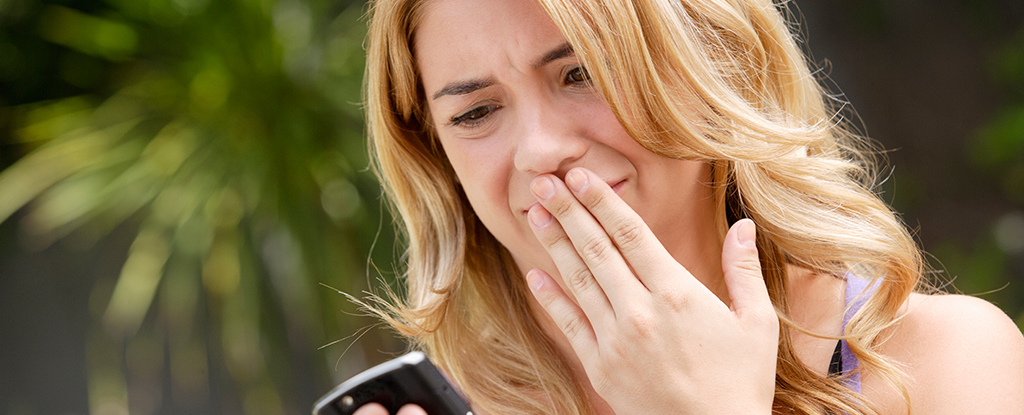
998, 152
228, 134
983, 261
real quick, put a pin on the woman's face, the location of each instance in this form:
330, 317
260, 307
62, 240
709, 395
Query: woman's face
509, 101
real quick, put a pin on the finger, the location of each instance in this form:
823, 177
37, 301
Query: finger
576, 275
567, 316
411, 409
633, 239
748, 292
589, 240
371, 409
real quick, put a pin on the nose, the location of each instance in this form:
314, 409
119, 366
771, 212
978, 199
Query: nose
549, 142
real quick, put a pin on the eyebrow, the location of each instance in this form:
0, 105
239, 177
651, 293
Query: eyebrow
555, 54
464, 87
472, 85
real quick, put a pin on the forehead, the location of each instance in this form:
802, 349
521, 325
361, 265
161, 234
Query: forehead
461, 37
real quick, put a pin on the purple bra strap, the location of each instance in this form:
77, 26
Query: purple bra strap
857, 293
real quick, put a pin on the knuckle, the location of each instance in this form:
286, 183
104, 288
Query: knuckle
561, 207
573, 326
675, 298
627, 235
581, 279
553, 239
640, 321
595, 248
597, 200
547, 300
751, 265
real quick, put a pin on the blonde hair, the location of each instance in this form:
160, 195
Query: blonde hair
716, 80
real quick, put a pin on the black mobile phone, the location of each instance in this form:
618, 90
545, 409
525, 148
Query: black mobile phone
408, 379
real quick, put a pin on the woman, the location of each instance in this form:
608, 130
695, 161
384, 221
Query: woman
647, 207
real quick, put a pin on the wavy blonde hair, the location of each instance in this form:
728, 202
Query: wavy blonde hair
715, 80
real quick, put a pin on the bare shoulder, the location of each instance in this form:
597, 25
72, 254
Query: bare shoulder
963, 355
959, 317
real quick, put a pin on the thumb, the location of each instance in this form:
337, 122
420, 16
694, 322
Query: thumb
742, 268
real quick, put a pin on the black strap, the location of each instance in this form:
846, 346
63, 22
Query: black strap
835, 367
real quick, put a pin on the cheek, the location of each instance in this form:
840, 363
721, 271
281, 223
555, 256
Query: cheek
484, 177
484, 195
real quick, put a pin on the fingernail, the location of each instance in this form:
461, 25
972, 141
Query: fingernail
543, 188
534, 280
747, 234
540, 218
577, 180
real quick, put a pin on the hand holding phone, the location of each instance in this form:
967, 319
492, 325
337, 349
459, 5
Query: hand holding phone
408, 379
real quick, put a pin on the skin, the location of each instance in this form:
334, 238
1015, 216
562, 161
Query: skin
599, 225
539, 117
617, 243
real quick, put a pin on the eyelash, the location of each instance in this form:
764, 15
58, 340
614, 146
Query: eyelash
473, 117
580, 70
476, 116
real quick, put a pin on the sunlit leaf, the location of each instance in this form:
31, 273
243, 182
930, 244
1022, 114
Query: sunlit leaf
55, 161
228, 136
137, 284
89, 34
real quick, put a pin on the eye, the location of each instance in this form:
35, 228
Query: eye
473, 117
577, 75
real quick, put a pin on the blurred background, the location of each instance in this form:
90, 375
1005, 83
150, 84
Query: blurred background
184, 187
